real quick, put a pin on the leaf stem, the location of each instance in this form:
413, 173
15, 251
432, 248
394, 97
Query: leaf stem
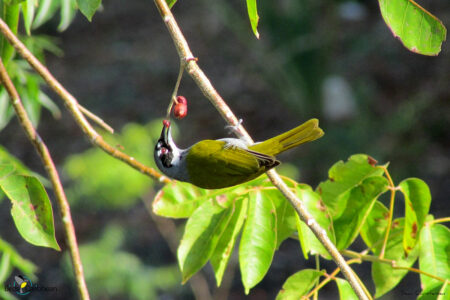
328, 279
95, 118
441, 220
73, 106
46, 158
173, 98
213, 96
391, 209
393, 263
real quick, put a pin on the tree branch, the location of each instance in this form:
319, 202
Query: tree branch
44, 154
73, 106
213, 96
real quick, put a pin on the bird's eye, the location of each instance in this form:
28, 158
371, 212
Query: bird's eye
164, 151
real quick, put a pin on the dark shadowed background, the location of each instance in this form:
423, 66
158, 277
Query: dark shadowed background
333, 60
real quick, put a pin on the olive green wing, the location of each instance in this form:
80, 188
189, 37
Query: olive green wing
213, 164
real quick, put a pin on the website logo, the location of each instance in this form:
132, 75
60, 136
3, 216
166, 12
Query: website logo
22, 285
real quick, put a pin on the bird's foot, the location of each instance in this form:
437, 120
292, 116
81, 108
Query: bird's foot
234, 128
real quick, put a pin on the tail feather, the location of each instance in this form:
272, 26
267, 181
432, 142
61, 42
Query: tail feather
307, 132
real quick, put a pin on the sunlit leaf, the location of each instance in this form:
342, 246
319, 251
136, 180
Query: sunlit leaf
10, 15
31, 210
46, 10
89, 7
343, 177
178, 200
417, 204
201, 235
171, 3
417, 29
315, 206
434, 254
384, 275
285, 215
253, 16
360, 201
345, 290
373, 230
258, 241
299, 284
17, 261
436, 291
224, 248
68, 10
28, 9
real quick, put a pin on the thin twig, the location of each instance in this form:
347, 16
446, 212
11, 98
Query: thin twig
390, 262
391, 210
44, 154
210, 92
74, 108
175, 89
95, 118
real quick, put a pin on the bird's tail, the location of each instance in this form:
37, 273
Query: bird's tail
307, 132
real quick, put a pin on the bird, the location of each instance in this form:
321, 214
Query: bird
226, 162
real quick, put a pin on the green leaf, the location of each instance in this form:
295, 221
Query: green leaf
360, 202
285, 215
434, 254
171, 3
31, 210
299, 284
11, 18
345, 290
224, 249
258, 241
201, 235
343, 177
417, 29
417, 204
19, 168
253, 16
178, 200
5, 266
373, 230
45, 11
436, 291
314, 205
17, 261
28, 9
384, 275
68, 10
6, 110
89, 7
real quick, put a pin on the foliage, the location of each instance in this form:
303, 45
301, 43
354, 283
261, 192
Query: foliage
34, 14
346, 205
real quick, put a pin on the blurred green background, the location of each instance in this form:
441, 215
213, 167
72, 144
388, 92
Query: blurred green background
334, 60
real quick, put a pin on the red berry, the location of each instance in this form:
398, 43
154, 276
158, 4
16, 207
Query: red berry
166, 123
180, 109
181, 99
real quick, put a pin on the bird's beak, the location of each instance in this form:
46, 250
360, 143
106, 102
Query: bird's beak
165, 134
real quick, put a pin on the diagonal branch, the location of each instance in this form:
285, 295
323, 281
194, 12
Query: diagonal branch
213, 96
73, 106
44, 154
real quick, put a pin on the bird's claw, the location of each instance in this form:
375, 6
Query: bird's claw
234, 128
